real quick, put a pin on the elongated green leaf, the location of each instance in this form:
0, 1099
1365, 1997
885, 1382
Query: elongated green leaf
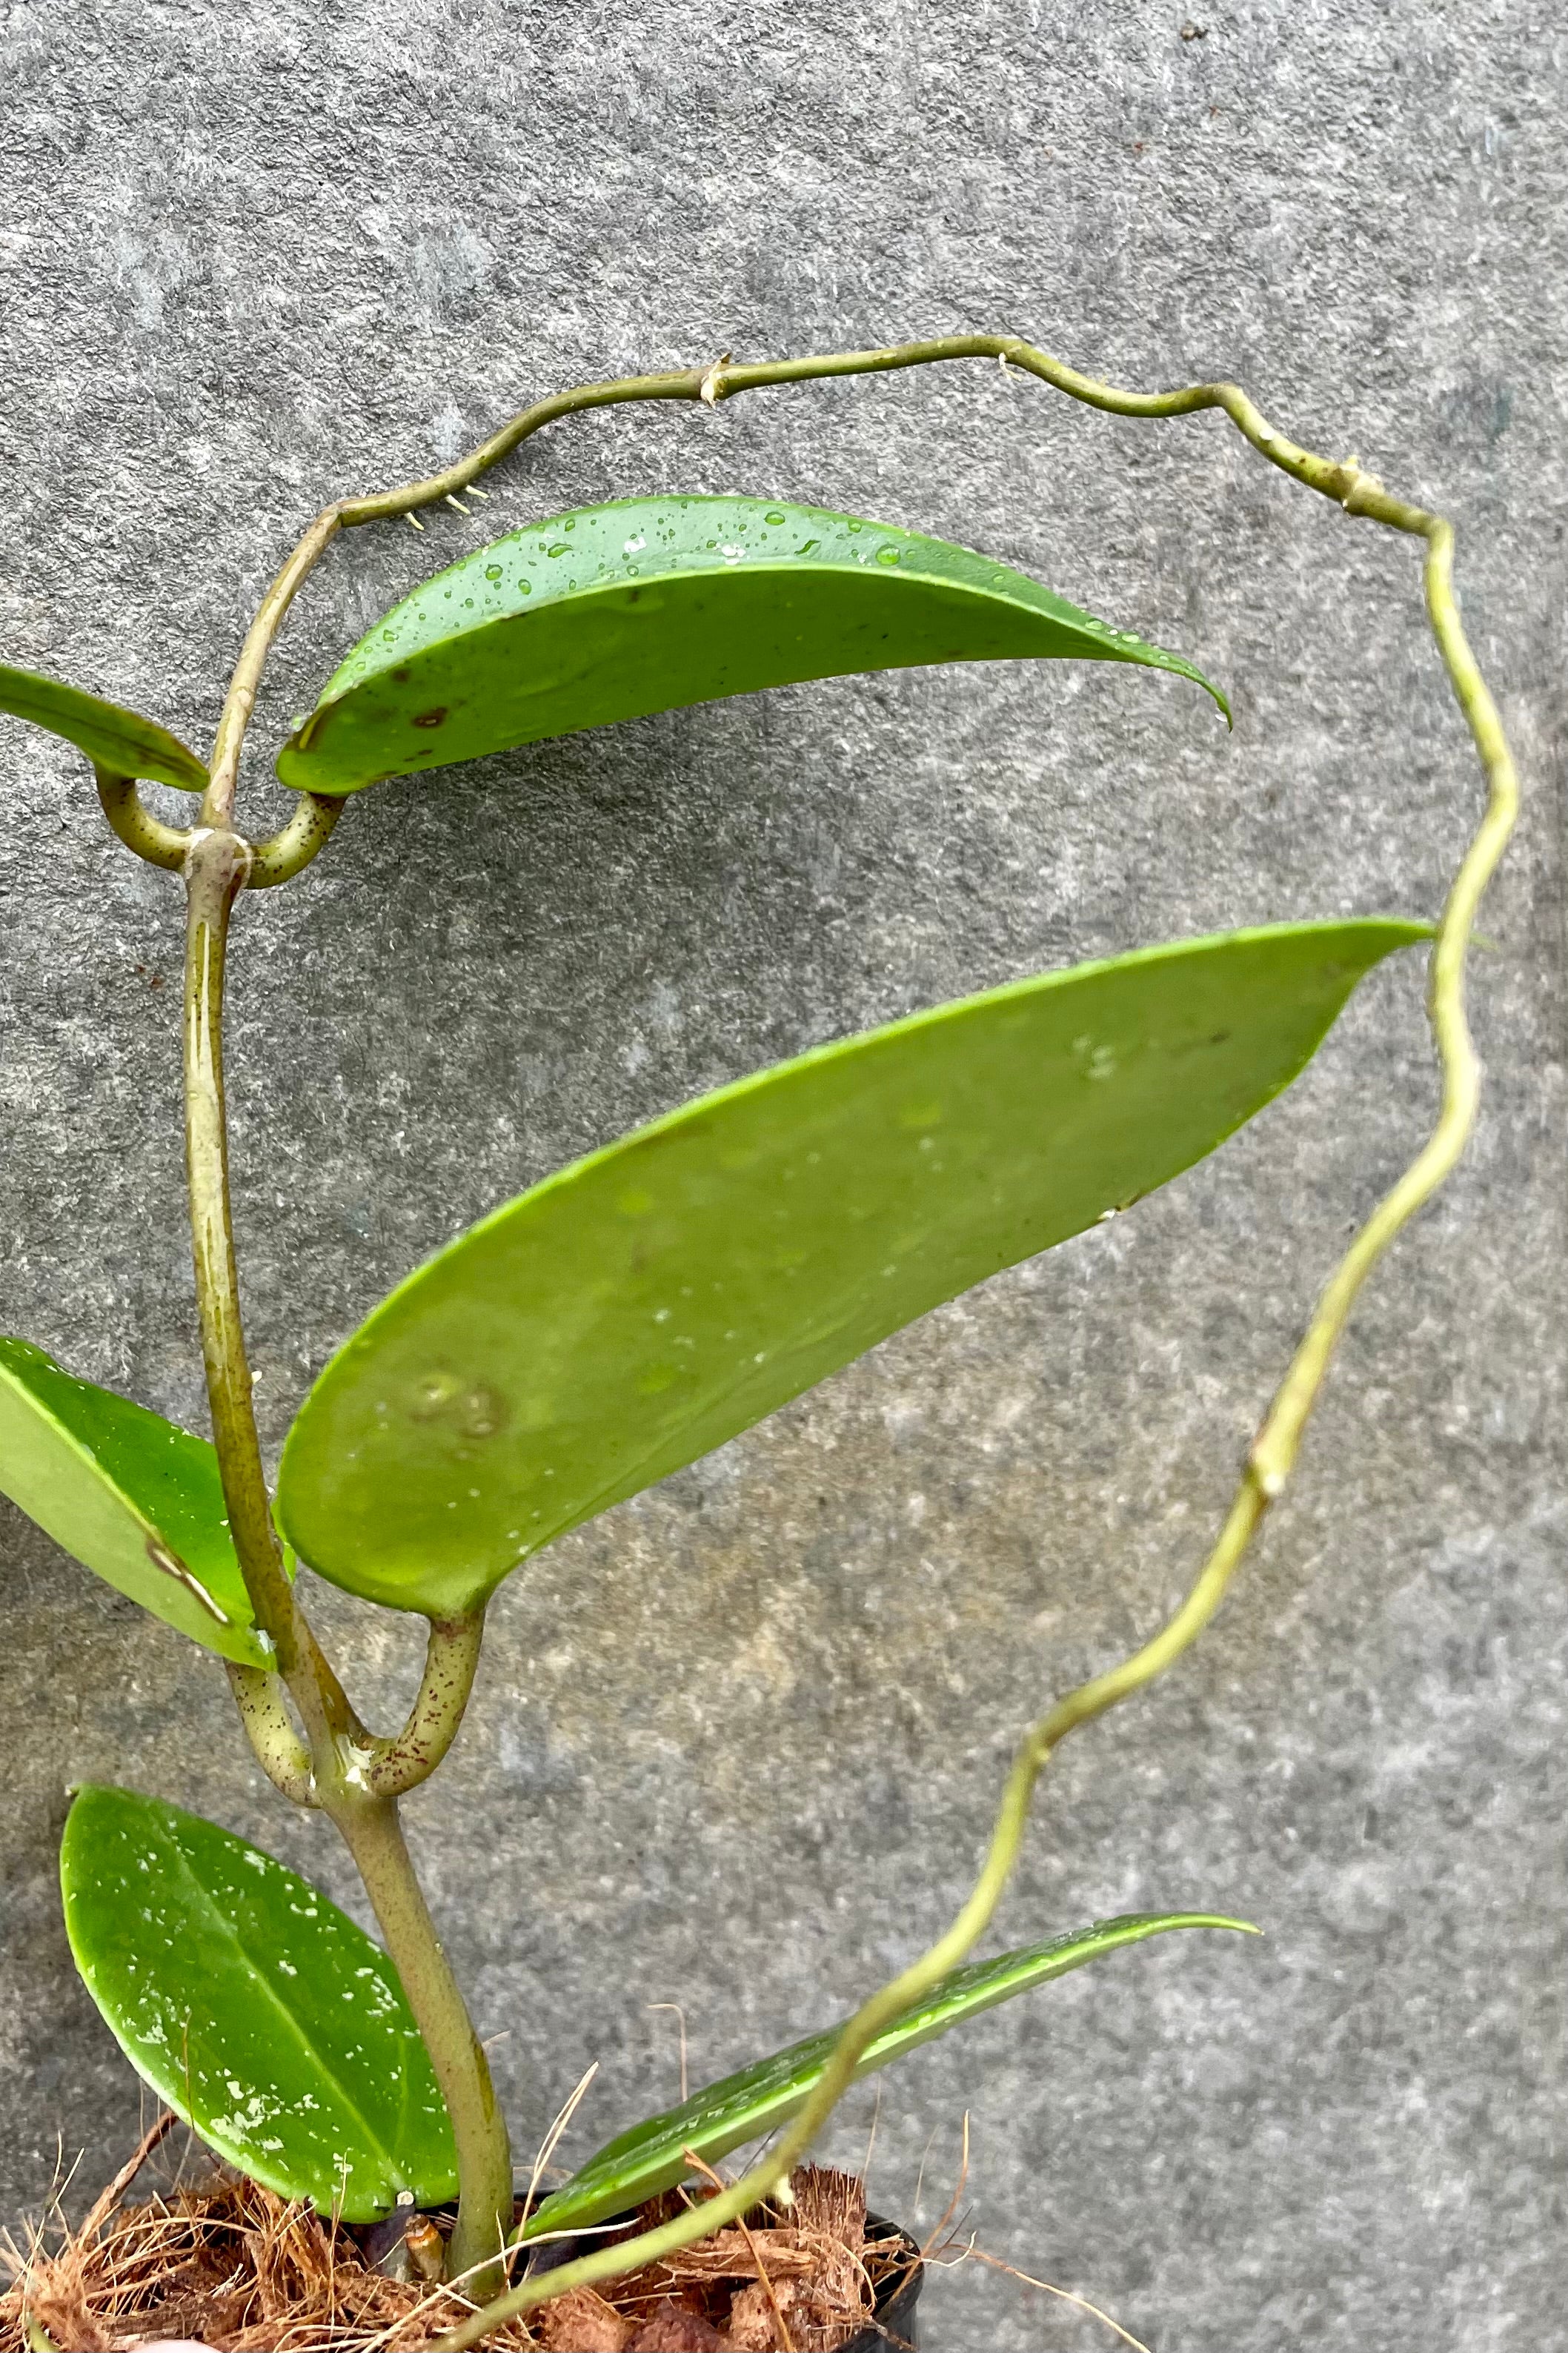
118, 740
755, 2102
625, 1316
618, 610
255, 2010
129, 1494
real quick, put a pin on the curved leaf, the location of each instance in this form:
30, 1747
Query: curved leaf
255, 2010
615, 611
755, 2102
118, 740
132, 1497
646, 1304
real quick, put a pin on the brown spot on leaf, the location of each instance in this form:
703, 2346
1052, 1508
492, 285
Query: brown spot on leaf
436, 718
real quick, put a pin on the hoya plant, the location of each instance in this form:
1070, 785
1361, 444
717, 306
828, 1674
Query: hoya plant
632, 1312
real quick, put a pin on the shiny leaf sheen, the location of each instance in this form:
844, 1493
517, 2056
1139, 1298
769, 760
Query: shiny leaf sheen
758, 2099
131, 1496
120, 741
646, 1304
612, 612
254, 2008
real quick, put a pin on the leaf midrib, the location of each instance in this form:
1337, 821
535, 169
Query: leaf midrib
373, 2138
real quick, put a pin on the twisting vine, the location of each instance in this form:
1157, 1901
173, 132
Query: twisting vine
354, 1777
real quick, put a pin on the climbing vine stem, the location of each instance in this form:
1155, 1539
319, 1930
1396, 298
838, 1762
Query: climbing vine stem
1273, 1452
334, 1768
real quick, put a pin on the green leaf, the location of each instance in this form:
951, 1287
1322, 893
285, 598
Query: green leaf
132, 1497
118, 740
646, 1304
755, 2102
255, 2010
615, 611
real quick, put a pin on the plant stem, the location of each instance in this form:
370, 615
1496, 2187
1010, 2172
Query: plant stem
139, 829
373, 1835
450, 1661
1273, 1453
282, 1754
291, 850
218, 805
215, 873
333, 1774
1359, 494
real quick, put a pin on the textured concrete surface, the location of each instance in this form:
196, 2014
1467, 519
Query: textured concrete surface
736, 1745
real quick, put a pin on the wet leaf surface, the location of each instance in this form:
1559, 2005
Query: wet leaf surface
256, 2009
647, 605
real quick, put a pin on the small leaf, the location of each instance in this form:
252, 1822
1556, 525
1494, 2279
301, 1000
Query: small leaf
646, 1304
615, 611
756, 2100
256, 2009
118, 740
132, 1497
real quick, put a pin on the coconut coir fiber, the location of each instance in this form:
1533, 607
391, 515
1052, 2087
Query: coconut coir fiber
226, 2264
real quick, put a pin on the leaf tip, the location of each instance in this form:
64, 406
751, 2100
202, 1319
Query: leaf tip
1217, 694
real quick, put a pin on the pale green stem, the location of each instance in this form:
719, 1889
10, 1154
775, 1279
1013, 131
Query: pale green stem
277, 859
340, 1752
215, 872
139, 829
451, 1657
291, 850
1274, 1451
375, 1839
283, 1756
217, 808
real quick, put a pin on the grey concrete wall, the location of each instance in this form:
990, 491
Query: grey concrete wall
735, 1746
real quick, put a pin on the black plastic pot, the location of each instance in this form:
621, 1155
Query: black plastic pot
893, 2327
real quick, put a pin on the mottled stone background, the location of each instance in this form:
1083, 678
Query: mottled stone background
736, 1745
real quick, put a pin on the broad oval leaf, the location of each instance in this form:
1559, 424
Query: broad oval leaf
644, 1305
256, 2009
118, 740
758, 2099
131, 1496
615, 611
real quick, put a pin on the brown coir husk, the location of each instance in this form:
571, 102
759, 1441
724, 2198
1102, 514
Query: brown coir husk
229, 2265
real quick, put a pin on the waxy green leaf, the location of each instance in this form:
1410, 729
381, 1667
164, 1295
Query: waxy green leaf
255, 2010
130, 1495
648, 603
118, 740
758, 2099
644, 1305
